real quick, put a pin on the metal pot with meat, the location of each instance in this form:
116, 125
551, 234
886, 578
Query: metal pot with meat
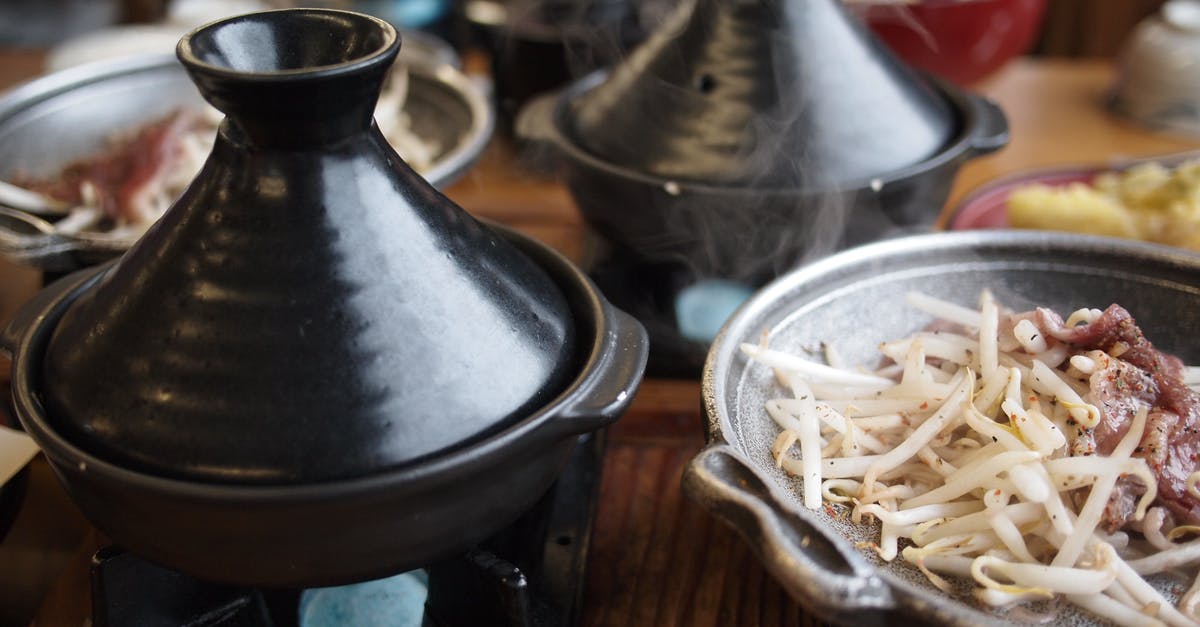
91, 155
314, 368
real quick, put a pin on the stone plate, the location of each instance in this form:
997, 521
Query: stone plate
856, 299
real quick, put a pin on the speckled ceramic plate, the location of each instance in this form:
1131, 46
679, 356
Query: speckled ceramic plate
856, 300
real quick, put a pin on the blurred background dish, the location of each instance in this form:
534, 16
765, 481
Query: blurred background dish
54, 121
960, 41
114, 42
987, 206
1158, 78
1153, 198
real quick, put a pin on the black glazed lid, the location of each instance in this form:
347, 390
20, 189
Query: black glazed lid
310, 309
768, 93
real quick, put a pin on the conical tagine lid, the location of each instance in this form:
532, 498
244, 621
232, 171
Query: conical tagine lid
311, 309
768, 93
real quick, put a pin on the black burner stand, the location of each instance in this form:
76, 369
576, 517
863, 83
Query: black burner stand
529, 575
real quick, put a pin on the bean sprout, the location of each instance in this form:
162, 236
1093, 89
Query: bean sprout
964, 447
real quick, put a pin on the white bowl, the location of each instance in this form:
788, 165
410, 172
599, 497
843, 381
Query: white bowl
1158, 78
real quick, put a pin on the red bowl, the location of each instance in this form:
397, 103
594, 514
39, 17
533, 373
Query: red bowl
960, 41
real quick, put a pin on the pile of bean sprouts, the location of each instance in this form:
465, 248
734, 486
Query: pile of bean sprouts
957, 448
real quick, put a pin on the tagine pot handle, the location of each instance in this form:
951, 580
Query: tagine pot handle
991, 133
805, 557
601, 401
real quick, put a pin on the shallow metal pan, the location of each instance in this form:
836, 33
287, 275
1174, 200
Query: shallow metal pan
855, 299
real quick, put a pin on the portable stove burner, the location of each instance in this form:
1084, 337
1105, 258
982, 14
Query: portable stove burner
528, 575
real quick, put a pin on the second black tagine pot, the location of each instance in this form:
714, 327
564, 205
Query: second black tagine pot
315, 369
743, 139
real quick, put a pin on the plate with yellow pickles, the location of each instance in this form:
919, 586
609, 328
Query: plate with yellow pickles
1154, 200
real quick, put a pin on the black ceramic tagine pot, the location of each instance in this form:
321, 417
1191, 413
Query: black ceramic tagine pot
745, 138
315, 369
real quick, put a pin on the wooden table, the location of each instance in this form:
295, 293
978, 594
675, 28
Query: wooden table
656, 558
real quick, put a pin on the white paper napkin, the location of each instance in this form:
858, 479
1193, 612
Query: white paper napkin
16, 449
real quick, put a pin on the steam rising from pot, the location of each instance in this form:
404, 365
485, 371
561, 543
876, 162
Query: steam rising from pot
743, 138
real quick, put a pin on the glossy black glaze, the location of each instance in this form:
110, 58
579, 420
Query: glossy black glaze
783, 148
750, 234
311, 309
771, 94
340, 531
661, 235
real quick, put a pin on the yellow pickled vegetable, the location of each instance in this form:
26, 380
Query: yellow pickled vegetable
1147, 202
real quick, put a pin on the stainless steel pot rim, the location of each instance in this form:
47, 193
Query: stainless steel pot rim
480, 454
970, 109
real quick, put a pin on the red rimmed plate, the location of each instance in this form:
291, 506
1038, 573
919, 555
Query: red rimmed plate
986, 207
